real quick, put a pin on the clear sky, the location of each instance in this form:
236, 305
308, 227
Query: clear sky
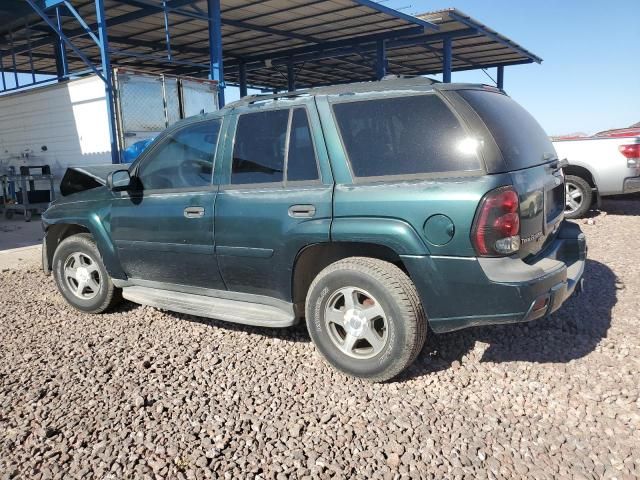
590, 77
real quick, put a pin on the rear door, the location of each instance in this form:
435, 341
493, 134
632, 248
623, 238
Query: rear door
530, 158
275, 198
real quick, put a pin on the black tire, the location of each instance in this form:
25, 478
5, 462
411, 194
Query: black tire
586, 196
404, 317
99, 299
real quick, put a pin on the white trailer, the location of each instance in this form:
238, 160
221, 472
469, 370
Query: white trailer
66, 124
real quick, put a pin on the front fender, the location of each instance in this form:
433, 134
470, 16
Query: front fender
58, 220
395, 234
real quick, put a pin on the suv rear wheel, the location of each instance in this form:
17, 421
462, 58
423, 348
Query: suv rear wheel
365, 317
578, 196
81, 276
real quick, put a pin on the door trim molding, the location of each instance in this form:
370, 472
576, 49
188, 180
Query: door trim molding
244, 251
166, 247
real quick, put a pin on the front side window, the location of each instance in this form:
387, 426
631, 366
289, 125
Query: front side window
259, 148
183, 159
404, 136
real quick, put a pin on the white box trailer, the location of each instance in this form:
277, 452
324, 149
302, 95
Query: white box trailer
66, 124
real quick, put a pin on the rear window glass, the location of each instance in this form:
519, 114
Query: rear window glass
403, 136
519, 136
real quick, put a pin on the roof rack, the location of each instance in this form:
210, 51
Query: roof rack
260, 97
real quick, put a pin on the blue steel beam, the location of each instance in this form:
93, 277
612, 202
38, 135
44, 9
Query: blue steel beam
446, 60
242, 78
13, 60
291, 77
381, 59
54, 27
4, 80
101, 19
33, 73
500, 82
62, 67
216, 69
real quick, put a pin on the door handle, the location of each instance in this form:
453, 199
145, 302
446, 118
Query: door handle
194, 212
302, 211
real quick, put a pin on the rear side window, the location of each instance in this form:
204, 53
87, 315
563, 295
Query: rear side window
301, 162
519, 136
259, 149
403, 136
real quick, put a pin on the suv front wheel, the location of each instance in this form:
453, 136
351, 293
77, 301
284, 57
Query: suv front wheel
81, 276
365, 317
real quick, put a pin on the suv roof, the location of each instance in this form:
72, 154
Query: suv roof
386, 85
390, 84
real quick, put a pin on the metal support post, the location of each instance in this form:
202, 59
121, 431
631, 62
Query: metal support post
500, 81
108, 82
62, 67
381, 59
291, 77
13, 60
446, 60
242, 74
216, 69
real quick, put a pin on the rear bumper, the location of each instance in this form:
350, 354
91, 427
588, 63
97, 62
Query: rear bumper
631, 185
460, 292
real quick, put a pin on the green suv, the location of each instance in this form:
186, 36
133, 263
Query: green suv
372, 210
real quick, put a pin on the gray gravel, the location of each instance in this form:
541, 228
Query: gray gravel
141, 393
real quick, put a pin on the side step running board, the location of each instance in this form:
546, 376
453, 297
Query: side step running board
235, 311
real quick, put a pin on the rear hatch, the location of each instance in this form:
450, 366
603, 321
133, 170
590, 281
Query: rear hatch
530, 159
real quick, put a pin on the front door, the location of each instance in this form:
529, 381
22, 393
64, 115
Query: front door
164, 229
275, 198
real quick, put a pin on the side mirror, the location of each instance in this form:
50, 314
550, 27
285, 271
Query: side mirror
119, 181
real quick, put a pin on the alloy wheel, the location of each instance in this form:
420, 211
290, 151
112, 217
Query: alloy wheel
356, 322
82, 276
573, 197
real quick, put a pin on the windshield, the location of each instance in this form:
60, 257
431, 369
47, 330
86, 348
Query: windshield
519, 136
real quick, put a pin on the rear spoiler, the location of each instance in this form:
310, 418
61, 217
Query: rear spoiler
79, 179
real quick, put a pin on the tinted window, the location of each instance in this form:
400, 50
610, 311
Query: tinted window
258, 152
183, 159
301, 163
519, 136
403, 136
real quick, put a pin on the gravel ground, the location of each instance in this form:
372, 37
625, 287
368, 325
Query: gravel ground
141, 393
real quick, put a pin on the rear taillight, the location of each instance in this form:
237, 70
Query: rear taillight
496, 228
632, 153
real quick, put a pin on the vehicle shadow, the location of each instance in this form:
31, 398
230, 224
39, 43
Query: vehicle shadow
571, 333
621, 205
296, 333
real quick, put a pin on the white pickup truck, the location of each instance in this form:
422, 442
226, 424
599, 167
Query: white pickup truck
598, 167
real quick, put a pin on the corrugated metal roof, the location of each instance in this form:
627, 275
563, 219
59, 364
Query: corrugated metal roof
329, 41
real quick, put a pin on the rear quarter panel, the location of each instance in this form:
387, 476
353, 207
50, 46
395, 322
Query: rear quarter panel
412, 203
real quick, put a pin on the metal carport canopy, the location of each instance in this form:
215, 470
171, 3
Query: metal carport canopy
319, 42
